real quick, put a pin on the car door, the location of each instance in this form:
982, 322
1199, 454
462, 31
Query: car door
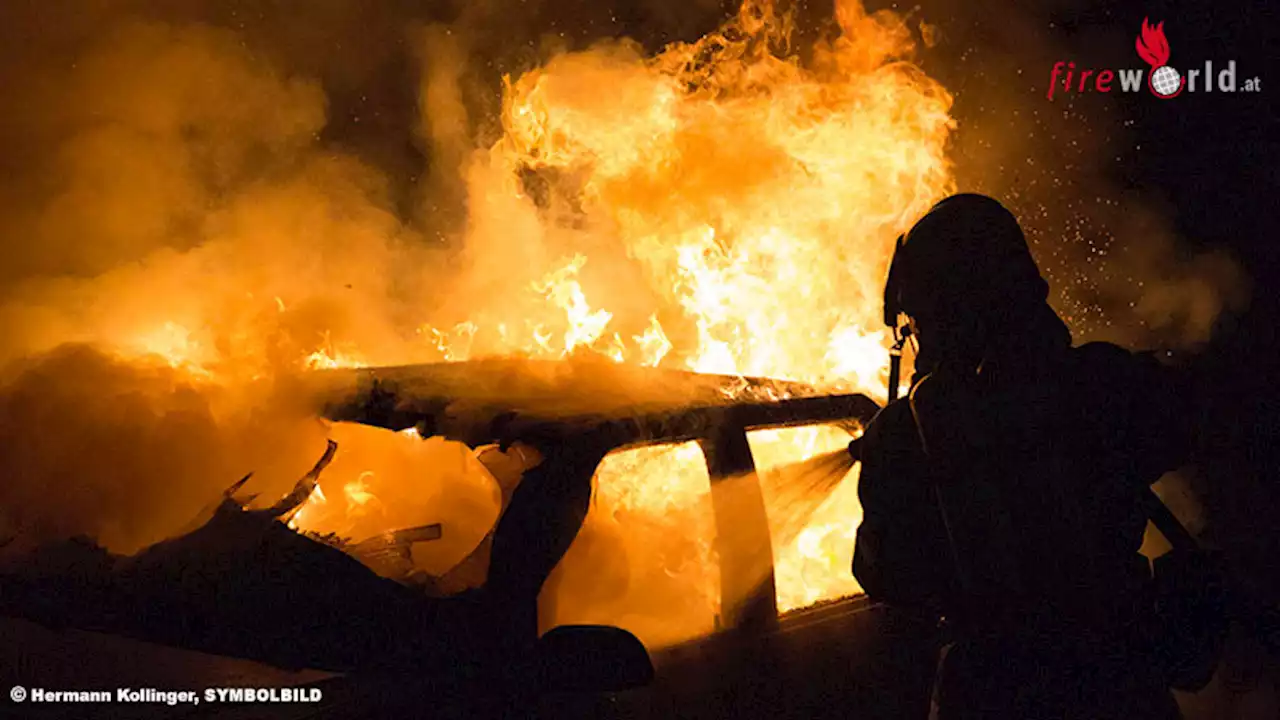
791, 639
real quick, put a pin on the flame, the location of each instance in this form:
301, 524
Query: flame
661, 578
327, 357
357, 491
761, 195
653, 343
318, 514
302, 518
806, 570
563, 291
727, 206
176, 345
1152, 45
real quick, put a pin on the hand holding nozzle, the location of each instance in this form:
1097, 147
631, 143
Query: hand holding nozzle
855, 449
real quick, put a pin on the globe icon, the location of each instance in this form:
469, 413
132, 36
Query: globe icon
1165, 81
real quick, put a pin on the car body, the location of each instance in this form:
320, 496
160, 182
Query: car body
828, 660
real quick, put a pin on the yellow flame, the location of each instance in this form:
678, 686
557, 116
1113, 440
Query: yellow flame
301, 519
176, 345
653, 343
357, 491
816, 565
357, 499
761, 195
327, 357
745, 193
563, 291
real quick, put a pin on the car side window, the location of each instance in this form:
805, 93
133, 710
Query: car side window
811, 500
644, 560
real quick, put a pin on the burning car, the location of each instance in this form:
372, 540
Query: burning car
184, 589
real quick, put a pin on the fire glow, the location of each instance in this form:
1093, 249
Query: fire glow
723, 206
759, 196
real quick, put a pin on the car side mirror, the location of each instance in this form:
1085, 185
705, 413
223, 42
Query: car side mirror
592, 658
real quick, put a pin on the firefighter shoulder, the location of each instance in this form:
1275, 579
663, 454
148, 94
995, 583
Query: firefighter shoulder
901, 554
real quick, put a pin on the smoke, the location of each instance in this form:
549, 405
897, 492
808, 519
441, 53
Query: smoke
127, 453
176, 232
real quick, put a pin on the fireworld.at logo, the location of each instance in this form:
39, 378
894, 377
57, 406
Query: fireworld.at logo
1163, 80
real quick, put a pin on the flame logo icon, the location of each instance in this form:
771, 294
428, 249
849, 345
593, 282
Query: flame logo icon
1153, 47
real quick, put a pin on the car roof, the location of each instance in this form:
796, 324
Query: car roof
464, 399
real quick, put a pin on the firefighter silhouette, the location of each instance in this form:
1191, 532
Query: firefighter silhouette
1005, 495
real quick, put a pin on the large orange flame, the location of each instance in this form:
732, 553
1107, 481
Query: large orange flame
725, 206
761, 195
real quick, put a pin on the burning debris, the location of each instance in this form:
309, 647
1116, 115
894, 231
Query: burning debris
242, 584
388, 553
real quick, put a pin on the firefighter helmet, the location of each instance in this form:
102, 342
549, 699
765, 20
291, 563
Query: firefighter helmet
967, 256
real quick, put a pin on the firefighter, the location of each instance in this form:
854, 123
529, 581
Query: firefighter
1004, 496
